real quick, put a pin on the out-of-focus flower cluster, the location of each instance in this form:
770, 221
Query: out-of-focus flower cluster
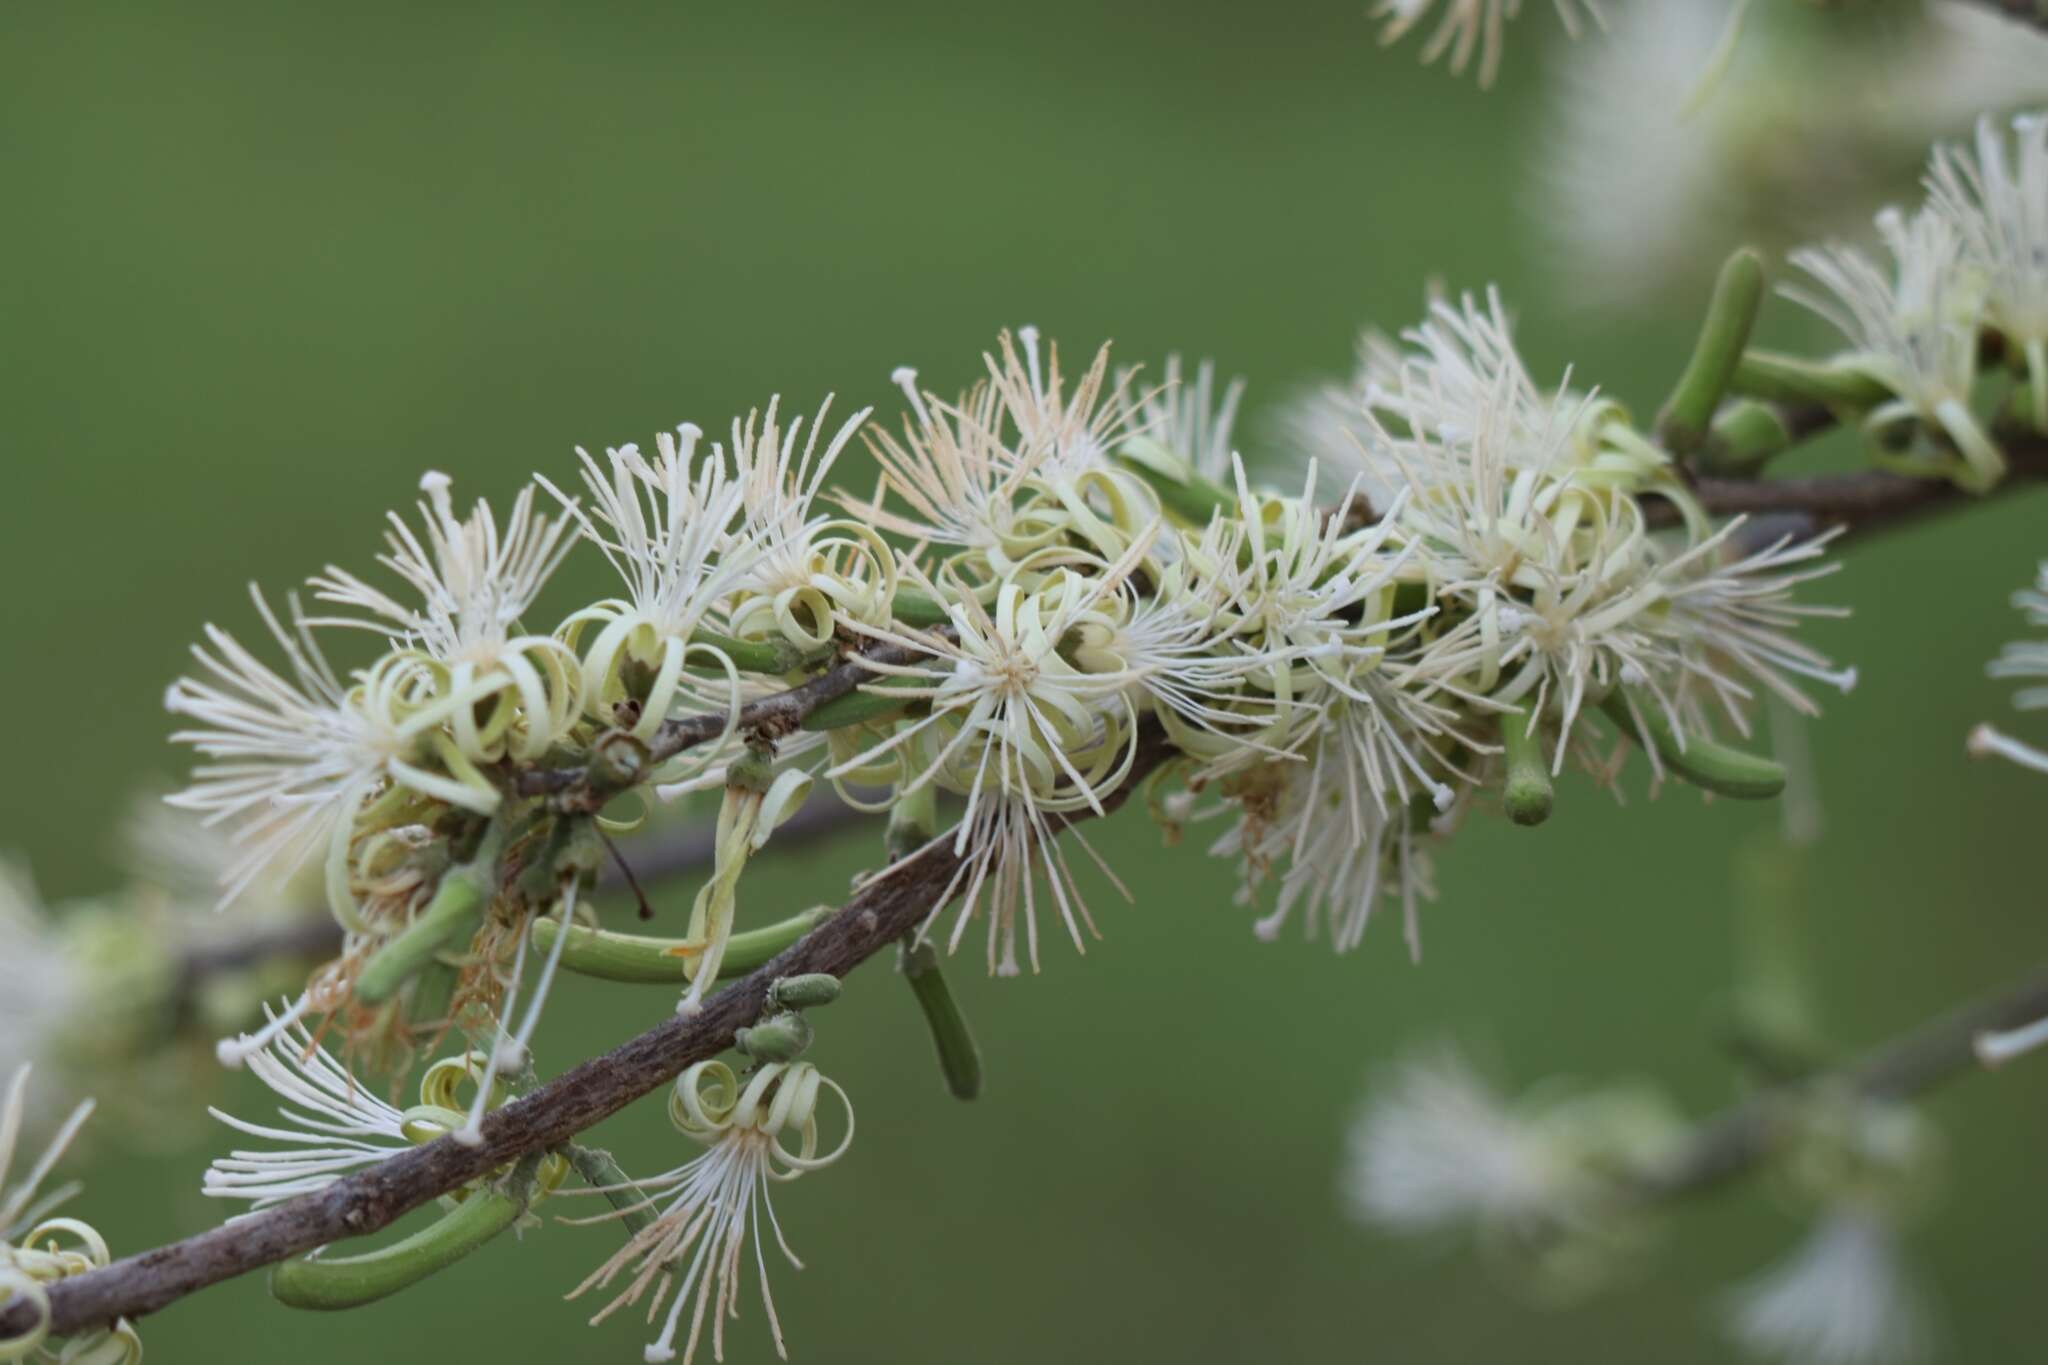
38, 1249
108, 993
1672, 138
1562, 1190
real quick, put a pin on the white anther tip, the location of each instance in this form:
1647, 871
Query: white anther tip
433, 481
231, 1053
901, 375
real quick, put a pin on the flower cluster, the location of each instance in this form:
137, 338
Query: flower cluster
36, 1250
1063, 580
1967, 278
1056, 571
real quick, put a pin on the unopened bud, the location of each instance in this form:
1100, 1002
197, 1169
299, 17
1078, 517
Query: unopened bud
803, 992
778, 1038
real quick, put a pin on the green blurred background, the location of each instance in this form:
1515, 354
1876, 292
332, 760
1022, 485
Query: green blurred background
267, 263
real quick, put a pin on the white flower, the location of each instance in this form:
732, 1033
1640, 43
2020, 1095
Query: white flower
1344, 849
2021, 659
1307, 589
1019, 730
1468, 26
37, 1250
295, 757
1557, 572
1912, 327
806, 571
714, 1202
1014, 466
1435, 1148
1460, 369
2001, 205
1461, 376
1732, 619
1186, 417
1182, 651
1414, 408
338, 1126
949, 467
669, 534
1060, 432
1843, 1298
473, 582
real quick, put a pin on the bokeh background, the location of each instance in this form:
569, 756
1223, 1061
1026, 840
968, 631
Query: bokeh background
266, 263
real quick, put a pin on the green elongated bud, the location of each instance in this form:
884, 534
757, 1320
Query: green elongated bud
1747, 435
762, 656
642, 960
914, 608
1716, 767
1788, 379
1731, 313
777, 1038
433, 993
336, 1282
959, 1058
1526, 793
873, 702
602, 1172
913, 820
1193, 499
453, 914
805, 991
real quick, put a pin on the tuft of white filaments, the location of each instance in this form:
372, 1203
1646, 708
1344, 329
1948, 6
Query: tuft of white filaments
1843, 1297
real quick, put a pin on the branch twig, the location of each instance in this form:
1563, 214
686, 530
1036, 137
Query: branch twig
1862, 502
772, 715
2033, 13
879, 915
1917, 1060
317, 937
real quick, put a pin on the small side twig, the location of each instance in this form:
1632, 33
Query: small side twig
1923, 1057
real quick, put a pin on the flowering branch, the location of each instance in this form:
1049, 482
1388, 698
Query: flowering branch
883, 912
